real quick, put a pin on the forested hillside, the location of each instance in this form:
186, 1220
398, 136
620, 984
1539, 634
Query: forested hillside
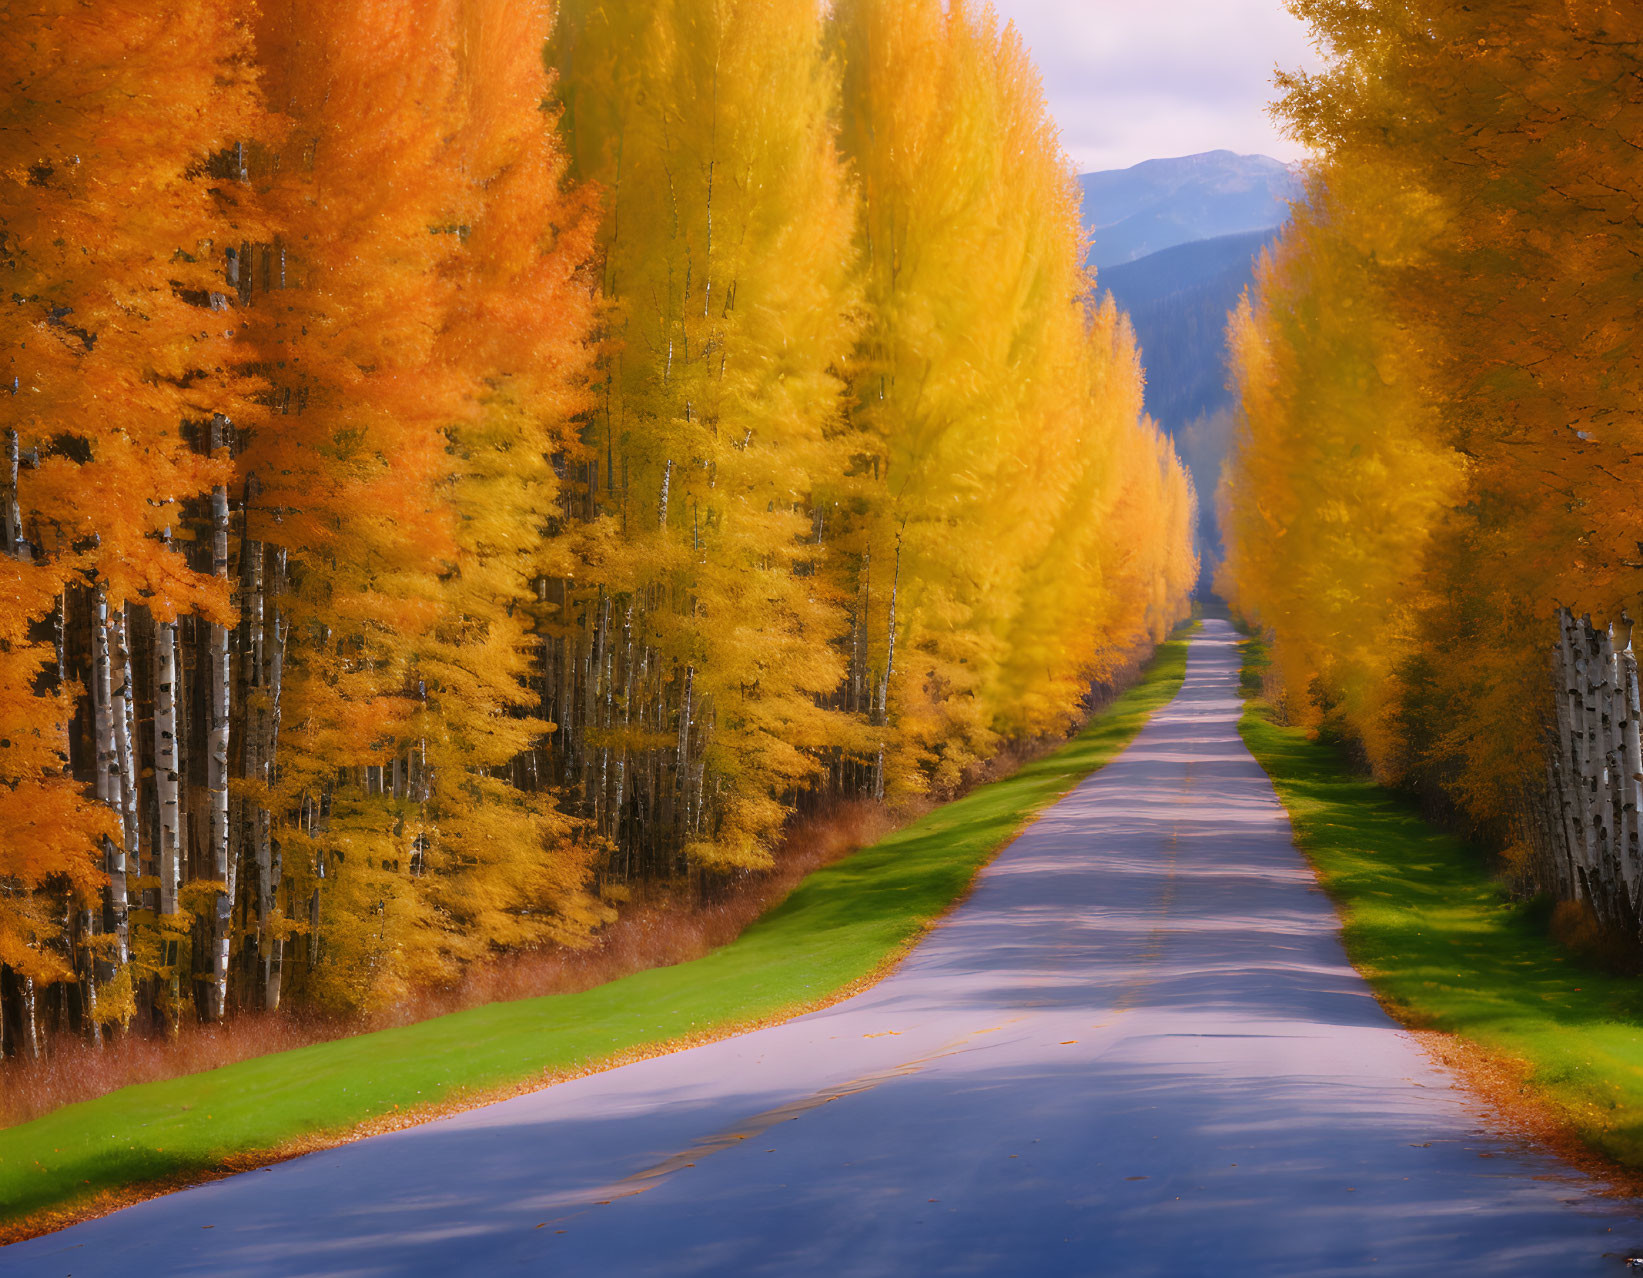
1432, 506
461, 459
1178, 301
1177, 240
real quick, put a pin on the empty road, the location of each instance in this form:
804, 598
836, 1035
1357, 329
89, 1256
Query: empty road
1137, 1049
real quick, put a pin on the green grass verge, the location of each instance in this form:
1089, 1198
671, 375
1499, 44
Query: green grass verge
1444, 946
838, 926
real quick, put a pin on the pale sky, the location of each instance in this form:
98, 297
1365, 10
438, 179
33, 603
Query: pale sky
1133, 80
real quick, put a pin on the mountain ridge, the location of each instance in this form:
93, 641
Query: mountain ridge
1159, 204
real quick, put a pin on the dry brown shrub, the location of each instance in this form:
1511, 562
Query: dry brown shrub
1576, 927
659, 925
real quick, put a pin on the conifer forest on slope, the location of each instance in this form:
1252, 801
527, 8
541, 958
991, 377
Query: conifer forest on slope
461, 459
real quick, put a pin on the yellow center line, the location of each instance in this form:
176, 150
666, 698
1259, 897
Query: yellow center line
648, 1178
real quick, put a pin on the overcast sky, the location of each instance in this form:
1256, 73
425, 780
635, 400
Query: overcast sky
1132, 80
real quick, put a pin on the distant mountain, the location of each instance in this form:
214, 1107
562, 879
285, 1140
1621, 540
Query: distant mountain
1178, 301
1158, 204
1176, 243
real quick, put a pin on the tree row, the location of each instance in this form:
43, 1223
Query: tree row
462, 458
1432, 504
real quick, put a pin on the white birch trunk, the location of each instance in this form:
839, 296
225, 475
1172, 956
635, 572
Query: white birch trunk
882, 715
219, 677
1595, 690
245, 810
1616, 812
31, 1028
1596, 767
102, 696
108, 772
1630, 780
123, 714
88, 967
168, 784
274, 963
1598, 812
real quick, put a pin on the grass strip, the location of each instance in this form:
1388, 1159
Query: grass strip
1445, 948
837, 928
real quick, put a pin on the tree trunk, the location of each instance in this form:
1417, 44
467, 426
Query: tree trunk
882, 714
11, 508
1564, 764
168, 785
123, 714
31, 1027
268, 852
1630, 780
254, 847
86, 963
219, 679
685, 711
598, 714
627, 721
168, 791
108, 777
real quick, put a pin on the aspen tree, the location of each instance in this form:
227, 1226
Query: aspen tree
348, 459
1459, 308
428, 371
110, 233
994, 468
727, 254
417, 501
506, 869
1341, 477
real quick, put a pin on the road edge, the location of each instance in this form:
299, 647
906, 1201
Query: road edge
105, 1202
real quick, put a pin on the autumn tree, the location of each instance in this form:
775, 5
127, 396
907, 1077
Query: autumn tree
1436, 375
437, 476
993, 399
117, 340
698, 634
422, 342
1340, 477
509, 868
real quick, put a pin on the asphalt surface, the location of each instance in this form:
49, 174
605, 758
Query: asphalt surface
1137, 1049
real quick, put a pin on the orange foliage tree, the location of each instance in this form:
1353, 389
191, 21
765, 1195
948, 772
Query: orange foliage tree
117, 338
438, 477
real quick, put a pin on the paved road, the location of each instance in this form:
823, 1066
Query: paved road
1136, 1050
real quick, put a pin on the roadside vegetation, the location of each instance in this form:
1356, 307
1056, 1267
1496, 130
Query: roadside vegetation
1429, 504
522, 454
1447, 948
842, 926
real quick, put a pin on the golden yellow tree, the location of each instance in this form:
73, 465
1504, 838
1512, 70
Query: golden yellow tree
694, 641
993, 401
1436, 375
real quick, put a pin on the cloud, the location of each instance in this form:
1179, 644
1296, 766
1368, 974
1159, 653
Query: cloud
1130, 80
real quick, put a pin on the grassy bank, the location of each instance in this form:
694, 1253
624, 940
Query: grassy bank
1446, 949
840, 926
